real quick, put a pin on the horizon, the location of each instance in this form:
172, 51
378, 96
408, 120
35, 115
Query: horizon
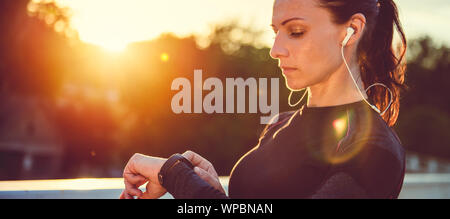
113, 32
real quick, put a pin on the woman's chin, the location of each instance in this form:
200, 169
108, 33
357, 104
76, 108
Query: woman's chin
294, 86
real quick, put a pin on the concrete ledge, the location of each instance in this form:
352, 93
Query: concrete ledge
434, 186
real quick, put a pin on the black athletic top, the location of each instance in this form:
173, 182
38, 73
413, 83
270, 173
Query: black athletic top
344, 151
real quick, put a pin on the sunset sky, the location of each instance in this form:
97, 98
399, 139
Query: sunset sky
115, 23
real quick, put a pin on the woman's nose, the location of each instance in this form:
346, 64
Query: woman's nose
278, 49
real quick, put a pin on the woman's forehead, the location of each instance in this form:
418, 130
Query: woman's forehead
287, 9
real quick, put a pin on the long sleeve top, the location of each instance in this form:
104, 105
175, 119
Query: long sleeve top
344, 151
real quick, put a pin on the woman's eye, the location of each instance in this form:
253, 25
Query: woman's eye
296, 34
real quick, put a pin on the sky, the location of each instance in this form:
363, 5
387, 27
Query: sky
115, 23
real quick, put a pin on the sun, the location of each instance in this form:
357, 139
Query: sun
113, 45
112, 24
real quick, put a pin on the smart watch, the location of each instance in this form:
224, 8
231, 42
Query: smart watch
170, 163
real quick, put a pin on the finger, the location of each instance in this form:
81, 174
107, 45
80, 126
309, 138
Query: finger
204, 175
196, 159
131, 189
134, 179
126, 196
211, 180
153, 191
199, 161
134, 192
212, 171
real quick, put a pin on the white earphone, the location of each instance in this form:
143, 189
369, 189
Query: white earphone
350, 32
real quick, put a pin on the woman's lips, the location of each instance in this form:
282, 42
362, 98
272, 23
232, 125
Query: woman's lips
287, 70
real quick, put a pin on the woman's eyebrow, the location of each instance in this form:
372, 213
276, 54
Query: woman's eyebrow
287, 21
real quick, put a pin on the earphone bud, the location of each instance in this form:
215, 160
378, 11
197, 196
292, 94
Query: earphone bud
350, 32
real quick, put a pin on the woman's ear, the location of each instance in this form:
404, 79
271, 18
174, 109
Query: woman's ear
358, 23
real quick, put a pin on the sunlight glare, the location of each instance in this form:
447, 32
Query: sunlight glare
340, 126
113, 24
164, 57
113, 45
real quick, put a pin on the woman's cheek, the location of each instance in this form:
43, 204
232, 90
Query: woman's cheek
310, 61
321, 60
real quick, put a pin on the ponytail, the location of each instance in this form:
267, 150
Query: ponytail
379, 62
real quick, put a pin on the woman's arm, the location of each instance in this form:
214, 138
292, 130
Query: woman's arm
179, 180
184, 183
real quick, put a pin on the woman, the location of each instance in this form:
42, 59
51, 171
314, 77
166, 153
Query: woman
337, 145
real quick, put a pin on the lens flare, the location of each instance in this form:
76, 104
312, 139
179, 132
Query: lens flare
164, 57
340, 126
349, 147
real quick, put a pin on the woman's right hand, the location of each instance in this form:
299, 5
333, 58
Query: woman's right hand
204, 169
139, 170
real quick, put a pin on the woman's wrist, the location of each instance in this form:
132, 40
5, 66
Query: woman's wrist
170, 163
149, 166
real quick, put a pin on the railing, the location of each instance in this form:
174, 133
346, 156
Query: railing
433, 186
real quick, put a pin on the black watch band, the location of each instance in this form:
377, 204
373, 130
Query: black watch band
171, 162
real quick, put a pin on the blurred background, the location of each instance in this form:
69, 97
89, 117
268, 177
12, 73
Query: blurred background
84, 84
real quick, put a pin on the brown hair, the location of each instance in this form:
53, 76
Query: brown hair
378, 61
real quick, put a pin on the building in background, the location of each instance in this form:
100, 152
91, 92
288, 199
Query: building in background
420, 163
30, 145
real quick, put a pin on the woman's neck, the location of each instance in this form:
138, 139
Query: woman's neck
337, 89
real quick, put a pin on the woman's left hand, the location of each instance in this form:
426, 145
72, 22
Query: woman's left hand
139, 170
204, 169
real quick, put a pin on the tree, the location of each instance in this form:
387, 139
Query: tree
424, 120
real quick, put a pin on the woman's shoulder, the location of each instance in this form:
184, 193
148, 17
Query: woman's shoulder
383, 147
370, 133
386, 138
374, 138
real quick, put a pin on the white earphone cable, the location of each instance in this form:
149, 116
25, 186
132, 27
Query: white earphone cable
289, 99
351, 75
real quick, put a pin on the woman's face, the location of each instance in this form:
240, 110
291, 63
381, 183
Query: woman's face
307, 42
